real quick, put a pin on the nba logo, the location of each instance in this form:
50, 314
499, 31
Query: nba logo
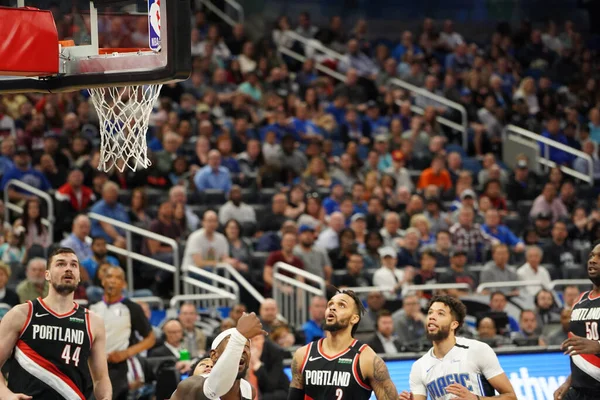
154, 22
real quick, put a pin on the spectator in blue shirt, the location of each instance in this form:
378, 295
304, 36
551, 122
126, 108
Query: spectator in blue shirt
304, 128
553, 132
23, 172
224, 145
99, 256
213, 175
405, 45
313, 328
110, 207
331, 204
501, 232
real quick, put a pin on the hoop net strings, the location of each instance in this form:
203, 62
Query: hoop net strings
124, 114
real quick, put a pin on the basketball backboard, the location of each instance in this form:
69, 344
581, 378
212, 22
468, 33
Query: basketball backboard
67, 46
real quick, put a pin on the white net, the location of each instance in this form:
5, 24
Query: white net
124, 114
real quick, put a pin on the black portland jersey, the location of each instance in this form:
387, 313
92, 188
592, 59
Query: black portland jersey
585, 368
334, 377
52, 354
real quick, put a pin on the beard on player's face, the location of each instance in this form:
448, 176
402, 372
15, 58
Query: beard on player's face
64, 288
442, 333
337, 325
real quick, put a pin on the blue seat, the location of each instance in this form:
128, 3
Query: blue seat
455, 148
472, 164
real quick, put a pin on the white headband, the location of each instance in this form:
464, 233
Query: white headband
221, 336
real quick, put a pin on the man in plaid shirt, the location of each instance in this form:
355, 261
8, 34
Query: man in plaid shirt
469, 236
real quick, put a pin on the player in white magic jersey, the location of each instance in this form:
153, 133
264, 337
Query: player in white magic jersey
455, 367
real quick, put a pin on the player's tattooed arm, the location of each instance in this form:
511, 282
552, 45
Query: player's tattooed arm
299, 356
379, 377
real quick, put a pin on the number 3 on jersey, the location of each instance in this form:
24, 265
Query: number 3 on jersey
68, 357
591, 330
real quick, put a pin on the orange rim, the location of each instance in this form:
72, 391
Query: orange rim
123, 50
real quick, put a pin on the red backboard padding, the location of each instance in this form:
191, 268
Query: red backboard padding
29, 45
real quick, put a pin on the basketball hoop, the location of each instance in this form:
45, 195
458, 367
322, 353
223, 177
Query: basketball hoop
124, 114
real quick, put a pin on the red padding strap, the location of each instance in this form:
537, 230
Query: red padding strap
29, 45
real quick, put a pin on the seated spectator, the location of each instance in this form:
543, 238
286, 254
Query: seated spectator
441, 248
409, 322
339, 255
391, 231
436, 175
35, 284
313, 328
458, 274
99, 256
271, 241
110, 207
274, 219
582, 165
351, 89
438, 219
266, 368
498, 270
414, 206
391, 279
177, 195
239, 249
172, 345
384, 341
332, 202
469, 236
76, 240
354, 58
23, 172
547, 311
316, 176
560, 334
426, 274
138, 211
522, 184
553, 132
421, 223
533, 271
282, 336
296, 203
487, 333
373, 241
236, 209
213, 175
548, 203
163, 225
316, 260
286, 255
206, 247
502, 233
408, 253
329, 238
9, 296
529, 329
355, 275
13, 249
314, 214
570, 296
35, 231
194, 338
559, 253
498, 303
268, 314
73, 197
164, 158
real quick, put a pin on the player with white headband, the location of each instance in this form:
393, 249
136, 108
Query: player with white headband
230, 348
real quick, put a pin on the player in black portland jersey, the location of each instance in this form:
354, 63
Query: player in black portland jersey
339, 367
583, 343
53, 341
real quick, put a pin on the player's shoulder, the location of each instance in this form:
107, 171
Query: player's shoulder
470, 344
18, 316
301, 352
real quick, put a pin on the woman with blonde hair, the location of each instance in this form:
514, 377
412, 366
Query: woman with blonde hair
316, 175
527, 92
421, 223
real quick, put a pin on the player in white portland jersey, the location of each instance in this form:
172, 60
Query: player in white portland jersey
455, 367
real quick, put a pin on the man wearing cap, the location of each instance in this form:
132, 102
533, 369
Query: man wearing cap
390, 278
458, 274
229, 349
23, 172
522, 183
316, 261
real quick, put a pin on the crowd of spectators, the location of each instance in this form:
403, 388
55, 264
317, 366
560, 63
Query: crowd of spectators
258, 159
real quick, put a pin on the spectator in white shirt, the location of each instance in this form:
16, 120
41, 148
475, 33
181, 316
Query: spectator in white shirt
329, 238
206, 247
448, 37
177, 195
389, 278
236, 209
533, 271
305, 28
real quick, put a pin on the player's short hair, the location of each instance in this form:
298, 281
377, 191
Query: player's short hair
360, 308
196, 363
57, 251
457, 308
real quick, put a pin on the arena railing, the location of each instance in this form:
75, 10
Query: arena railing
411, 288
8, 206
204, 300
131, 255
520, 135
151, 300
567, 282
507, 284
231, 273
224, 14
197, 281
292, 296
316, 46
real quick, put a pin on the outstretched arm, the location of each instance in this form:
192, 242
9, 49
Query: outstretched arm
375, 370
